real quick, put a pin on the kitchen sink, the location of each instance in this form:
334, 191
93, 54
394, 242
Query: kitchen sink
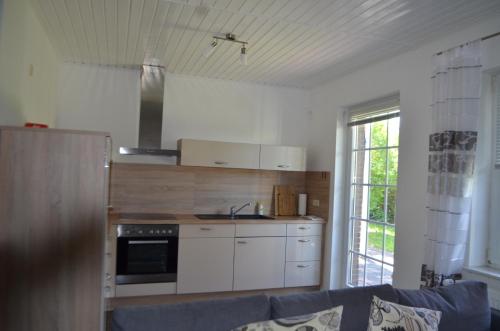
236, 217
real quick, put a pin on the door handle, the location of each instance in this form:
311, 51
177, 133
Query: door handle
304, 227
146, 242
304, 240
220, 162
283, 166
205, 229
303, 266
241, 242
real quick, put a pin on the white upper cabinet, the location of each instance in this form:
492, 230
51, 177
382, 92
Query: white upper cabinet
207, 153
285, 158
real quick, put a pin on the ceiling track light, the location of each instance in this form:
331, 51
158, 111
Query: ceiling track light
231, 38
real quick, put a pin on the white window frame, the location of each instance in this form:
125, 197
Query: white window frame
348, 196
494, 245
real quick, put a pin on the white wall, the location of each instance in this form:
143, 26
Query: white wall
28, 67
409, 74
107, 99
99, 98
233, 111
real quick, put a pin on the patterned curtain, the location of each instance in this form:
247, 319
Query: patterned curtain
452, 149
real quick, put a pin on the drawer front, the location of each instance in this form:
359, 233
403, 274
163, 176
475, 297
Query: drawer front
302, 273
298, 230
260, 230
206, 231
303, 248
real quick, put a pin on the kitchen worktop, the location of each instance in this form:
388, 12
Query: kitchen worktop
145, 218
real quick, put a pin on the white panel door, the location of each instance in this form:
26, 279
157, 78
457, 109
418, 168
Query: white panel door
219, 154
286, 158
205, 265
259, 263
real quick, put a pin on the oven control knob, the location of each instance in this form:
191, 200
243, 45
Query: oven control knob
157, 231
140, 231
151, 231
169, 231
163, 231
127, 231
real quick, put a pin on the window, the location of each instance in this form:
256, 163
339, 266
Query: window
373, 148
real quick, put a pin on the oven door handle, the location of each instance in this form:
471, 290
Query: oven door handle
145, 242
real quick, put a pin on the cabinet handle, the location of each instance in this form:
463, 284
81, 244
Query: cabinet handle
205, 229
303, 266
304, 240
304, 227
283, 166
220, 162
241, 242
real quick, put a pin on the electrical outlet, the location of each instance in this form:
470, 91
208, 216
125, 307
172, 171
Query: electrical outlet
315, 202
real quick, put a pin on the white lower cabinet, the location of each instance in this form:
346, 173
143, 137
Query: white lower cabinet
205, 265
259, 263
303, 255
302, 273
228, 257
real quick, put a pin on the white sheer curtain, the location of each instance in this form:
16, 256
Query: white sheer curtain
452, 148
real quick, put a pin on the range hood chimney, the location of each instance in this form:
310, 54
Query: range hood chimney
151, 114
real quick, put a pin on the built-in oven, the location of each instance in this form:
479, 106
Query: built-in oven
147, 253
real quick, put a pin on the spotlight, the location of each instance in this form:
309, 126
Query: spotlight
243, 55
211, 48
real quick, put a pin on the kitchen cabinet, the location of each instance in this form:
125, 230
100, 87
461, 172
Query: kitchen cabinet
303, 255
303, 248
260, 230
297, 230
259, 263
302, 273
205, 261
218, 154
284, 158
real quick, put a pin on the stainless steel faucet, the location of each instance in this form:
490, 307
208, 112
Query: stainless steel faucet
233, 211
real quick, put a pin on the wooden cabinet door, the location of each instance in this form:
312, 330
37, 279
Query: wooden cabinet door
285, 158
219, 154
52, 216
205, 265
259, 263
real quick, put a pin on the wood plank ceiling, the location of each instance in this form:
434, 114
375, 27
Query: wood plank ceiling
296, 43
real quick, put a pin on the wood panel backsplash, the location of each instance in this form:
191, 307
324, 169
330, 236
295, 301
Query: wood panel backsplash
191, 190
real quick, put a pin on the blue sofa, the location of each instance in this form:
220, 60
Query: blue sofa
465, 307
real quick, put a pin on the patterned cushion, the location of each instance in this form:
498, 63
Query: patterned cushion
388, 316
326, 320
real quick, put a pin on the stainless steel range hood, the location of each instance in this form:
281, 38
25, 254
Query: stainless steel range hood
151, 114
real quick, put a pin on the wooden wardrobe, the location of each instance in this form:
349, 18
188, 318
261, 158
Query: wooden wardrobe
53, 197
